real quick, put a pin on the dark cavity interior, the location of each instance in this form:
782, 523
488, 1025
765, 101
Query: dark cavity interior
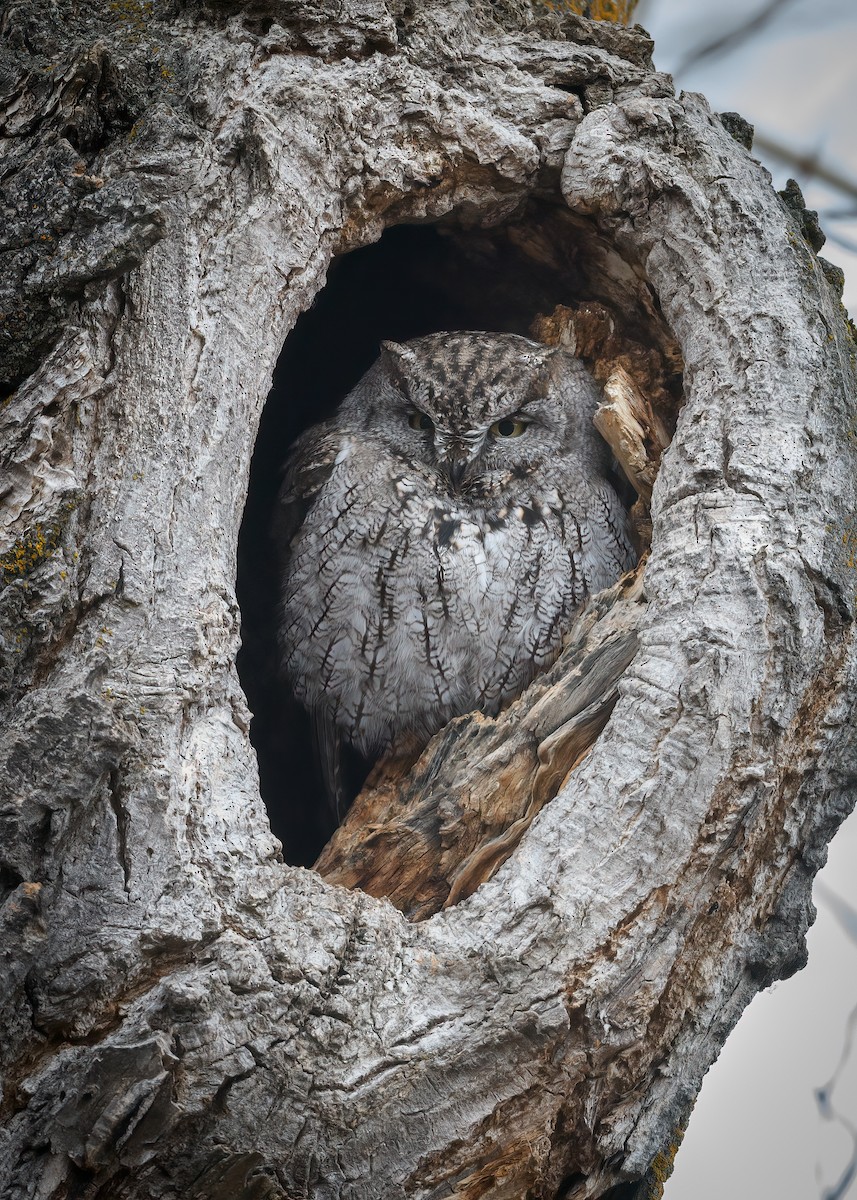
417, 279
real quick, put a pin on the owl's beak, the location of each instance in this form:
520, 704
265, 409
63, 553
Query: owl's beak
455, 456
455, 472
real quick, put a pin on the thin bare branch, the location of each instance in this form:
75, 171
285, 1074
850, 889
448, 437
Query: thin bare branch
846, 916
829, 1111
727, 41
839, 214
840, 908
808, 164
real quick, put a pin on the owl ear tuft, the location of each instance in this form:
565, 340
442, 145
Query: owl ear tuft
542, 354
403, 356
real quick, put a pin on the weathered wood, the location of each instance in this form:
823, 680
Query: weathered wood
622, 421
183, 1015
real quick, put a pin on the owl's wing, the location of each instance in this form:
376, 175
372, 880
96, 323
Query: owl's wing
610, 550
307, 471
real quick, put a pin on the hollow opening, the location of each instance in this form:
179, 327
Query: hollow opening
416, 279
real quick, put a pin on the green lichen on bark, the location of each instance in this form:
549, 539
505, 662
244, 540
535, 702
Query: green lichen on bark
807, 218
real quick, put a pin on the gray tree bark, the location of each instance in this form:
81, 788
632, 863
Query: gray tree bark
183, 1014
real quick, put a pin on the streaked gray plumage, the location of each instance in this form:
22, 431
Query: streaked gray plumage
439, 531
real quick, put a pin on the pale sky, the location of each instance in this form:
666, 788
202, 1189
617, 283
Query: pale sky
757, 1132
795, 81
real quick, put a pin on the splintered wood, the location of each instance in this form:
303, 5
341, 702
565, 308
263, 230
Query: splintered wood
629, 418
622, 420
428, 829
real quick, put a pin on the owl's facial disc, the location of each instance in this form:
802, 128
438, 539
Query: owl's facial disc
476, 408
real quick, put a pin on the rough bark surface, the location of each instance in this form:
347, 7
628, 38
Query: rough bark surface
182, 1014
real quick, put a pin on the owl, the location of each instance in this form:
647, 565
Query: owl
437, 534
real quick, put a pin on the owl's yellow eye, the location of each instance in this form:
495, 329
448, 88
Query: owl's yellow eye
509, 427
420, 420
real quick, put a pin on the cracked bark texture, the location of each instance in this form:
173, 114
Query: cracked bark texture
182, 1014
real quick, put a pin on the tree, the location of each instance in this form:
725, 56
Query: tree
185, 1015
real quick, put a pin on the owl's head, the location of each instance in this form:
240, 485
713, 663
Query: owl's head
479, 407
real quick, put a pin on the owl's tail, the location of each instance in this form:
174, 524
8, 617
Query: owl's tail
328, 755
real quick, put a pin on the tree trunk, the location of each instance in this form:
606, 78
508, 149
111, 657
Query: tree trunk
182, 1013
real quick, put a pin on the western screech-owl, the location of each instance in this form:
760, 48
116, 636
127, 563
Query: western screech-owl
438, 533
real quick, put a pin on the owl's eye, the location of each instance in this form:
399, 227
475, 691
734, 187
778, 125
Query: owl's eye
420, 420
509, 427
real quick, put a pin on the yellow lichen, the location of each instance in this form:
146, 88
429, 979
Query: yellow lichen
661, 1167
35, 546
617, 11
132, 12
849, 541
